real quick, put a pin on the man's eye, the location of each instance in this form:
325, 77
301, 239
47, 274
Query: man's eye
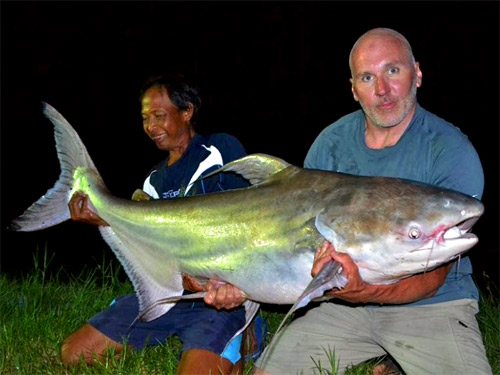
393, 70
366, 78
160, 116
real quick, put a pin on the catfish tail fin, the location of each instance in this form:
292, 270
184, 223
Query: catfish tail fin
52, 208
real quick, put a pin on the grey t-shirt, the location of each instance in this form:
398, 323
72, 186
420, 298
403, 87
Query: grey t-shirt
431, 150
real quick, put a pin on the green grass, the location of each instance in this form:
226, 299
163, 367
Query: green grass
39, 310
489, 323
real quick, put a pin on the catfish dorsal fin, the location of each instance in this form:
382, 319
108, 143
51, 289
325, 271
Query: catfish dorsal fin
140, 195
255, 167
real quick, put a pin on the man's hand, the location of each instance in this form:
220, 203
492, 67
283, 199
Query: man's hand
407, 290
355, 289
323, 255
219, 294
222, 295
80, 211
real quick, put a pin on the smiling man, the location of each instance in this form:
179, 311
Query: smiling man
169, 108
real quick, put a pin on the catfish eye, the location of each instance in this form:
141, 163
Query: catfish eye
414, 233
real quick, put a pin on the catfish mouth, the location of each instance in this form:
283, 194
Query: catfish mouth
470, 215
461, 230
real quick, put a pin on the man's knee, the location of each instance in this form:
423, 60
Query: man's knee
70, 355
87, 343
201, 361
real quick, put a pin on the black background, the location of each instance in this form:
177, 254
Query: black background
273, 74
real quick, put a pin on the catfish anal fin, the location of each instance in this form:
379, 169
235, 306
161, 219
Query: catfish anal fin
167, 300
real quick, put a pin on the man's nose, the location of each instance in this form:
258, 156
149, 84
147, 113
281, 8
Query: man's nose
150, 123
381, 86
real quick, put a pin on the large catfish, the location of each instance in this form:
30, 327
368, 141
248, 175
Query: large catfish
262, 239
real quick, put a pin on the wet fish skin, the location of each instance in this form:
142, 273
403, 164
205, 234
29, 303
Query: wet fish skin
262, 239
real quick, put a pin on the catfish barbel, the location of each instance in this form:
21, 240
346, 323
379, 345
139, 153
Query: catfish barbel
262, 239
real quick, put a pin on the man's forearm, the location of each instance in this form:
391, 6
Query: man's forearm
407, 290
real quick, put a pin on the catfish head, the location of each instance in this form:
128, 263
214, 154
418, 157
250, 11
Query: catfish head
395, 228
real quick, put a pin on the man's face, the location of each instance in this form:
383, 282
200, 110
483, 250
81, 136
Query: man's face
385, 81
168, 127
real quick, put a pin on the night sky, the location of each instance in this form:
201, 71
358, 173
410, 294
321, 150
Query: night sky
273, 74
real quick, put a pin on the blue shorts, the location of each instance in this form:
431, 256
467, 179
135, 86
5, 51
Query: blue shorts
198, 326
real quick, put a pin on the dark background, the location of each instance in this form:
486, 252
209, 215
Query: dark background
273, 74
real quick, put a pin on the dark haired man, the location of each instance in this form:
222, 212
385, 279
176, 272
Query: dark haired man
169, 112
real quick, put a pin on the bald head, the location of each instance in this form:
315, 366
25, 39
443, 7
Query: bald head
382, 34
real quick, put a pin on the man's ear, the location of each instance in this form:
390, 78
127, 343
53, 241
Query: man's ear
353, 91
188, 113
419, 74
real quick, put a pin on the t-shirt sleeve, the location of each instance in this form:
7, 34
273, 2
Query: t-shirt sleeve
458, 167
149, 189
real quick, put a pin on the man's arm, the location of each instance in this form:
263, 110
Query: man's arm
411, 289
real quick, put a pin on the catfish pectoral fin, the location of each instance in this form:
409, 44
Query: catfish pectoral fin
328, 278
